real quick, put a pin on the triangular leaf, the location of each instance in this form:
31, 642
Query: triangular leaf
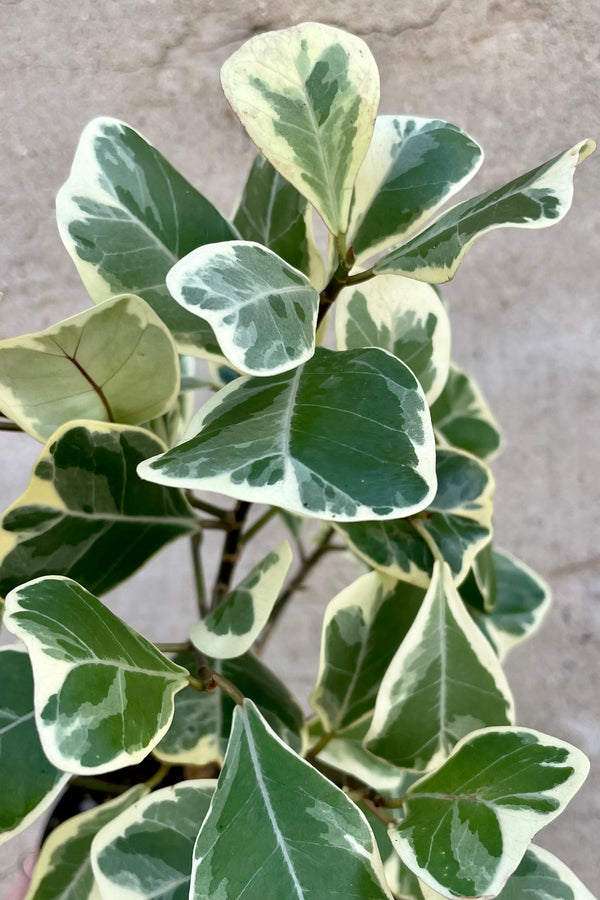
457, 524
231, 628
145, 853
263, 311
537, 199
346, 436
63, 870
86, 514
199, 732
278, 828
29, 784
126, 216
444, 682
403, 316
362, 629
116, 362
307, 96
468, 825
413, 166
103, 693
461, 417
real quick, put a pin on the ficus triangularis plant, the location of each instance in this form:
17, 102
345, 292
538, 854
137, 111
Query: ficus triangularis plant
411, 777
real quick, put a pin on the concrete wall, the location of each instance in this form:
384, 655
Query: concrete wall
522, 76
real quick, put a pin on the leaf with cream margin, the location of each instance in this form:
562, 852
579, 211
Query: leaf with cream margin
480, 586
116, 362
63, 870
308, 97
362, 630
444, 682
231, 628
537, 199
201, 725
273, 213
287, 827
145, 853
457, 525
345, 436
403, 316
103, 693
468, 825
263, 311
461, 417
413, 165
126, 216
539, 876
29, 783
522, 601
85, 513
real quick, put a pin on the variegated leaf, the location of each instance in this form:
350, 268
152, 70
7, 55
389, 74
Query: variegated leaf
116, 363
278, 828
126, 216
522, 601
231, 628
537, 199
480, 586
29, 783
308, 96
457, 525
346, 436
468, 825
86, 514
413, 166
461, 417
103, 693
201, 724
444, 682
274, 214
403, 316
362, 629
145, 853
539, 876
63, 870
403, 884
172, 425
263, 311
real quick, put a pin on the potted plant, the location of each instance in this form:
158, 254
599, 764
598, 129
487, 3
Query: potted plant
412, 777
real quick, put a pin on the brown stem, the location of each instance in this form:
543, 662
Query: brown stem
9, 425
209, 508
231, 551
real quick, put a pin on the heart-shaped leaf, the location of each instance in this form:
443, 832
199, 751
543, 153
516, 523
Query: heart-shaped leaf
308, 96
103, 693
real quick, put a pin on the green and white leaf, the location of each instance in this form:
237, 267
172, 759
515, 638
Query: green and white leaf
116, 362
461, 417
274, 214
63, 870
308, 97
480, 586
468, 825
201, 725
539, 876
362, 630
522, 601
103, 693
172, 425
29, 784
403, 316
413, 166
346, 436
126, 216
263, 311
458, 525
286, 826
85, 513
537, 199
146, 852
231, 629
444, 682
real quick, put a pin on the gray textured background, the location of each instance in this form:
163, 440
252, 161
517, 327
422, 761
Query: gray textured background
521, 76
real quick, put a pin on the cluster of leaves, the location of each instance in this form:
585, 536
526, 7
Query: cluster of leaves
412, 779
